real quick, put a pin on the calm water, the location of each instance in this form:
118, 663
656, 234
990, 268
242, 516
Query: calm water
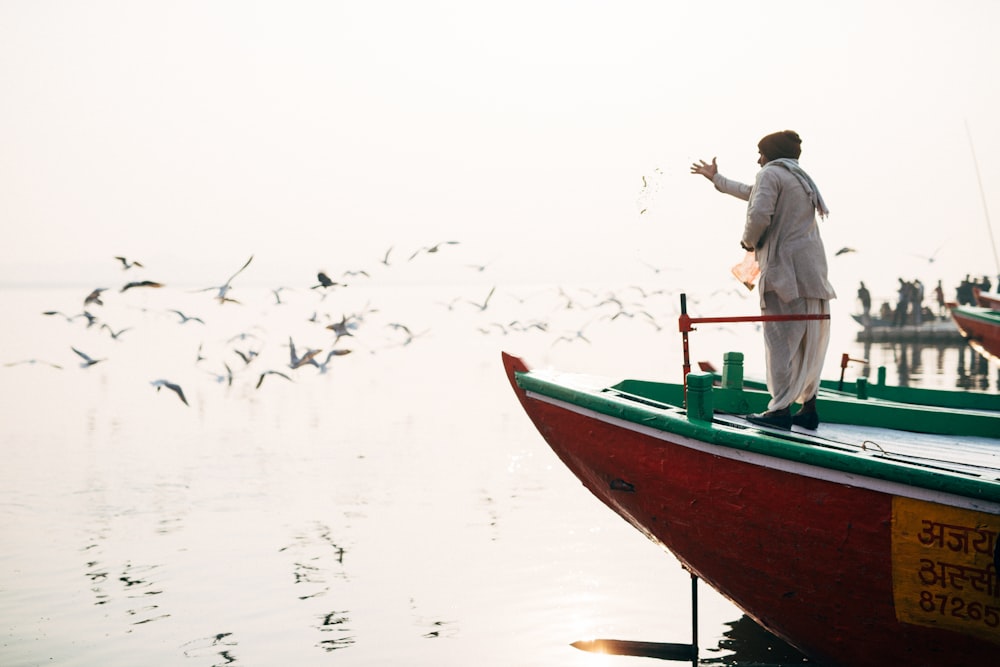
396, 509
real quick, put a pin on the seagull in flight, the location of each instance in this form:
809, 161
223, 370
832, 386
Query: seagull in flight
296, 361
432, 249
844, 251
478, 267
114, 334
68, 318
646, 294
94, 297
126, 265
260, 381
350, 273
185, 318
410, 336
930, 258
577, 336
91, 319
324, 281
87, 360
277, 295
140, 283
341, 328
482, 306
223, 289
574, 336
385, 259
227, 377
450, 305
247, 356
330, 355
33, 361
176, 388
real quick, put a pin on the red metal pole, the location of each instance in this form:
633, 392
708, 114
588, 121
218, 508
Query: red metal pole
758, 318
685, 321
844, 359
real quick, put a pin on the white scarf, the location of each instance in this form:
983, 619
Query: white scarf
807, 182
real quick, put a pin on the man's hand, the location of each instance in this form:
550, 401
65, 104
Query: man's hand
705, 169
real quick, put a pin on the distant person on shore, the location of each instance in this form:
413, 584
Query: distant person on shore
917, 301
939, 296
902, 303
963, 294
781, 229
865, 297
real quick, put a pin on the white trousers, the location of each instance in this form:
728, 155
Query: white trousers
794, 351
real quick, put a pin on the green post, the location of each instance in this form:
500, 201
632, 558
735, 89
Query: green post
862, 386
700, 406
881, 376
732, 370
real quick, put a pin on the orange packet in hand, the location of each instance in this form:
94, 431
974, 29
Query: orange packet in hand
748, 271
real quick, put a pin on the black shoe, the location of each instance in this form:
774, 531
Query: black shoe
809, 420
775, 418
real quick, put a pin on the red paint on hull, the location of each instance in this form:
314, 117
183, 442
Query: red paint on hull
982, 335
986, 299
808, 559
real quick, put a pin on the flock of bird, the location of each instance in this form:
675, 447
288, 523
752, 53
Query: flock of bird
565, 315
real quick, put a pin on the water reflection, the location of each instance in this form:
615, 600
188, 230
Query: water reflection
753, 646
219, 645
336, 623
318, 561
135, 581
958, 364
112, 579
976, 373
434, 627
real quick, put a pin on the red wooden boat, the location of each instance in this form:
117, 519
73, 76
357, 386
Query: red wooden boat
857, 544
980, 327
986, 299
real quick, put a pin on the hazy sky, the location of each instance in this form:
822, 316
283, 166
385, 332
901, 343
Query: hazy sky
191, 134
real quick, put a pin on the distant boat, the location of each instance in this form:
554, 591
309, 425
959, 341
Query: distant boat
878, 330
980, 327
871, 541
986, 299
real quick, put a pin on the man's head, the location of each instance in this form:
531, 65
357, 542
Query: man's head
785, 144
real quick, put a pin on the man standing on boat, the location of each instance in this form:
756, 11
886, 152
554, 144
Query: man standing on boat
782, 231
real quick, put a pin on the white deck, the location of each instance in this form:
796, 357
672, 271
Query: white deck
971, 455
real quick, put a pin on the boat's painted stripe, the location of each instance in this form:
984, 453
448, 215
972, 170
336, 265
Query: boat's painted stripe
785, 465
985, 315
588, 393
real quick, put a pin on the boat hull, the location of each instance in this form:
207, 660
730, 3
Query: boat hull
980, 327
810, 559
987, 299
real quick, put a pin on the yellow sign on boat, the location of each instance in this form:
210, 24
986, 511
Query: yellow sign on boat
944, 567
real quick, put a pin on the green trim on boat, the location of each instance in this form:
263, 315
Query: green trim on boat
837, 408
944, 398
979, 313
958, 399
655, 405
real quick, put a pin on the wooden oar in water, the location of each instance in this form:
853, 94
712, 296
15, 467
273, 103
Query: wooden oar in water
638, 649
660, 650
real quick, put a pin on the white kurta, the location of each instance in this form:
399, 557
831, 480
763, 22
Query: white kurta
782, 229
